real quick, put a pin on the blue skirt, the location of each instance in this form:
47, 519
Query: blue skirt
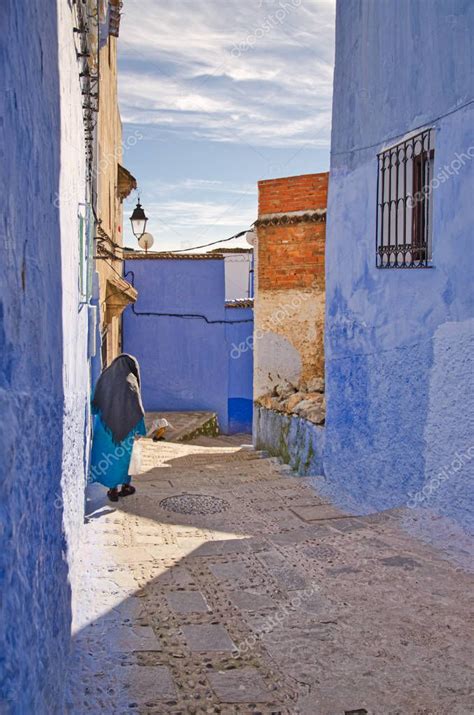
110, 461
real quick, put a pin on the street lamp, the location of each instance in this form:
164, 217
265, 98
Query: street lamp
138, 220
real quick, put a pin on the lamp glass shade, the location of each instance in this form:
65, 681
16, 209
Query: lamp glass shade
138, 220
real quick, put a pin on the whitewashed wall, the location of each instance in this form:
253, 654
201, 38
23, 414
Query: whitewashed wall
237, 269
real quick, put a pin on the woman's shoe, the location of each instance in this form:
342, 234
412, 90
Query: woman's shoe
127, 490
113, 494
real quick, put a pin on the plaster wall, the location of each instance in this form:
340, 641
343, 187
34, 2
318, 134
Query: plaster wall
399, 343
43, 343
237, 272
289, 288
187, 363
109, 209
239, 338
75, 312
289, 337
110, 143
292, 439
183, 361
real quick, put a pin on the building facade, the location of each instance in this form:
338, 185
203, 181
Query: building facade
187, 337
238, 273
61, 211
399, 290
45, 325
114, 184
289, 318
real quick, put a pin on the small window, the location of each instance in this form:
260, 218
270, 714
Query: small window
404, 203
104, 346
86, 252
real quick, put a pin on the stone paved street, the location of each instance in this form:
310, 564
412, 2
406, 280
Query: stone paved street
279, 603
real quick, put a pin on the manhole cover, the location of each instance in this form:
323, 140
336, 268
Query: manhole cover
194, 504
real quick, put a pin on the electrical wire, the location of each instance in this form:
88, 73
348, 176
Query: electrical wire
106, 237
189, 316
389, 139
205, 245
167, 315
151, 313
117, 292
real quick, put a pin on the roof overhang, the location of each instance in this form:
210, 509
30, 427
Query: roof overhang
119, 293
126, 182
114, 17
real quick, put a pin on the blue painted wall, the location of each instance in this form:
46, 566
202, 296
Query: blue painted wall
43, 353
294, 440
185, 361
399, 343
240, 365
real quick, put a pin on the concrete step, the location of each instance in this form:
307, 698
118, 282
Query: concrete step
242, 440
186, 425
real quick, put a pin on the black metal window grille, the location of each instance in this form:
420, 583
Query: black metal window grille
404, 203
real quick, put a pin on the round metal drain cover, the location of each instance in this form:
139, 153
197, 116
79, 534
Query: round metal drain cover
194, 504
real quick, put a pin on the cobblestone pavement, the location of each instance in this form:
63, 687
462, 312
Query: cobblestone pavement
265, 601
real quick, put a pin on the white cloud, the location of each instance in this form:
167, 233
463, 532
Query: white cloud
160, 188
242, 70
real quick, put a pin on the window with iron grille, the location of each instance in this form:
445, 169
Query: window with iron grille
404, 203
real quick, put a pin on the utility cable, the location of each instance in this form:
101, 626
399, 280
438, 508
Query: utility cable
389, 139
205, 245
152, 313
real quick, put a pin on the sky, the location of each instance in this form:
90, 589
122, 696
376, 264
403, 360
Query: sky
216, 95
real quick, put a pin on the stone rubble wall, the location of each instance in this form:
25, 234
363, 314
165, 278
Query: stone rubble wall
305, 400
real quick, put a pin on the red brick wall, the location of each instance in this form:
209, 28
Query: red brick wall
292, 256
293, 193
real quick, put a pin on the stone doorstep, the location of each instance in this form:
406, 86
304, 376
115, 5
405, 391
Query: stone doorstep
185, 425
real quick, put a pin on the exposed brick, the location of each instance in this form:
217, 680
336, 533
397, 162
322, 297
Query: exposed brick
291, 256
293, 193
291, 259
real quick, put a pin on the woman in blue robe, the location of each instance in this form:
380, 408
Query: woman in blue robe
118, 420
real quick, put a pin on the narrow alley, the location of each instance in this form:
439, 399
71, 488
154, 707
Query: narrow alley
237, 357
225, 585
